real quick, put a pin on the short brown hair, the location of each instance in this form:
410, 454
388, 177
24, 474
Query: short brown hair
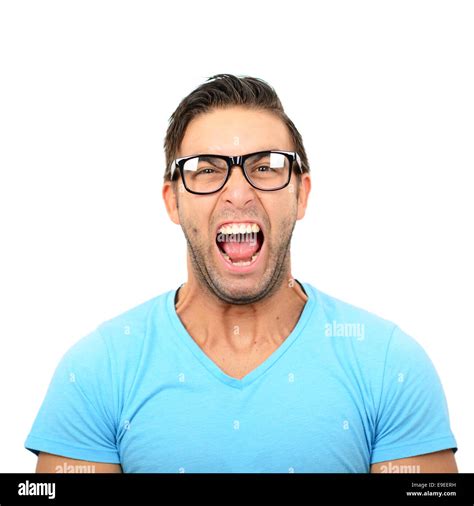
221, 91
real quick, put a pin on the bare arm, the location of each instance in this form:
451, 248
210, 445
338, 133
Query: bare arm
436, 462
49, 463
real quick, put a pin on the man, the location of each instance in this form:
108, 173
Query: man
243, 368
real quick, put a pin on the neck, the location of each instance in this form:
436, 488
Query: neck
215, 324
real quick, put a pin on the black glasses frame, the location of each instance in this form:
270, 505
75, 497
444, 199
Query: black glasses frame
233, 161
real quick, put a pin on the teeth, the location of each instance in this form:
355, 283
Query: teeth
239, 228
241, 262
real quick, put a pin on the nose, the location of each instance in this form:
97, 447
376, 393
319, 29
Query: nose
238, 190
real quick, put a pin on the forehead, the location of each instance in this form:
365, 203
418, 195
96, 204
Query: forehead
235, 131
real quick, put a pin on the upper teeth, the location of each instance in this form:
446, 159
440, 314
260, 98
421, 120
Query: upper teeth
239, 228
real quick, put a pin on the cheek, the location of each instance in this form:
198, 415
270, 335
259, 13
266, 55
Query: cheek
282, 212
194, 218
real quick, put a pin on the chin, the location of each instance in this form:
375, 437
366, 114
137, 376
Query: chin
245, 291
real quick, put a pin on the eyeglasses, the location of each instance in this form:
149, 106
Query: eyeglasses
264, 170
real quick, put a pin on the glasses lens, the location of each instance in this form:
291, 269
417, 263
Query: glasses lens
204, 173
268, 170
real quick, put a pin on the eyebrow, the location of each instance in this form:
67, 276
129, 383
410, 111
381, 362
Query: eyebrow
208, 158
208, 155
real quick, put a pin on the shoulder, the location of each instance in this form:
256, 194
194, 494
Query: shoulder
120, 338
340, 319
132, 322
364, 341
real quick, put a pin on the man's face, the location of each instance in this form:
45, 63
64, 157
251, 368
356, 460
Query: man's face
244, 268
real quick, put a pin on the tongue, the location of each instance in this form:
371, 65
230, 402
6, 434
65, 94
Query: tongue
240, 251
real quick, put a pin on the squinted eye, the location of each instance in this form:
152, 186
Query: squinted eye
207, 170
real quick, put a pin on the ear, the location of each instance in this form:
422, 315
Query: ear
171, 202
303, 194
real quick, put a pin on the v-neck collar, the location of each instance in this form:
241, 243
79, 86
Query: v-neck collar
213, 368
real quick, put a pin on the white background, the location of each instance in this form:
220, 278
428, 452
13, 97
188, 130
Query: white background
382, 93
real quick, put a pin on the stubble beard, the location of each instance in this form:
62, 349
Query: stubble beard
207, 274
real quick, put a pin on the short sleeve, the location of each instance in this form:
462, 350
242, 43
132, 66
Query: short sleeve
413, 415
76, 418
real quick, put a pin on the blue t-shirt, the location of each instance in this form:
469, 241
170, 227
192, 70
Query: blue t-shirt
344, 390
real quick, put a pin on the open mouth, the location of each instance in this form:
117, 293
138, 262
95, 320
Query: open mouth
240, 243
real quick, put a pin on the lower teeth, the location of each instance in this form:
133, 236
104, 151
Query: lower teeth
241, 262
